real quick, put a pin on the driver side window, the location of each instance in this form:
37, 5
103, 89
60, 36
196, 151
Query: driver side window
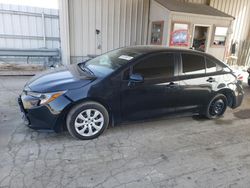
159, 66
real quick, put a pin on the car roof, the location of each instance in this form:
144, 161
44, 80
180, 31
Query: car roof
154, 49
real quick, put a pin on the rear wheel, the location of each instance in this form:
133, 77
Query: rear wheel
216, 107
87, 120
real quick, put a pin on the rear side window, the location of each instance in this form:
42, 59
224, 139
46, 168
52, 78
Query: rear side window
156, 66
193, 64
212, 66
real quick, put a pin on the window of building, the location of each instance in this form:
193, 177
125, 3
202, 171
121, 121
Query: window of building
155, 67
220, 36
157, 32
211, 66
179, 35
193, 64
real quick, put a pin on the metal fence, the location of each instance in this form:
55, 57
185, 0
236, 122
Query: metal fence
47, 57
27, 32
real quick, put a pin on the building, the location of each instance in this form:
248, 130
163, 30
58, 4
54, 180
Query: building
92, 27
185, 25
97, 26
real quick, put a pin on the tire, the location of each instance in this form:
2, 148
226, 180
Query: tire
216, 107
87, 120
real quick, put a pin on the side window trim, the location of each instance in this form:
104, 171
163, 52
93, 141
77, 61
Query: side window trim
206, 59
176, 64
179, 63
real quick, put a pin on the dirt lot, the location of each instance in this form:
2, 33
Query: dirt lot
174, 152
19, 69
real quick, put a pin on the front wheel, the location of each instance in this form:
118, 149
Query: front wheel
87, 120
216, 107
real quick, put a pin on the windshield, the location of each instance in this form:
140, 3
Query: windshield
107, 63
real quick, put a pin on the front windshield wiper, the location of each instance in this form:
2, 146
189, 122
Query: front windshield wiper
87, 70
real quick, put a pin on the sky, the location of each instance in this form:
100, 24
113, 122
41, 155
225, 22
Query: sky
33, 3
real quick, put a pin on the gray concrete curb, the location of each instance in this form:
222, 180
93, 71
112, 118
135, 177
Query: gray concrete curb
18, 73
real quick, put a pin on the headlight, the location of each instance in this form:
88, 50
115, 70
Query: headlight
46, 98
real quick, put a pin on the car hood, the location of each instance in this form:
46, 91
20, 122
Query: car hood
59, 79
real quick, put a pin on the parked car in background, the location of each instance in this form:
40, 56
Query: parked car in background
133, 83
248, 70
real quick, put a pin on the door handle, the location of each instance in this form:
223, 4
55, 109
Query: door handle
210, 80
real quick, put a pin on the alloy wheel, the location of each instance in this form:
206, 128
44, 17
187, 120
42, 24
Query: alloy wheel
89, 122
217, 108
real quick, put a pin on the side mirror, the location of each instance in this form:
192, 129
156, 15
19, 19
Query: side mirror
137, 78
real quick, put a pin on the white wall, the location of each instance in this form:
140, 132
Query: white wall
23, 27
159, 13
240, 9
121, 22
64, 31
209, 21
125, 22
195, 1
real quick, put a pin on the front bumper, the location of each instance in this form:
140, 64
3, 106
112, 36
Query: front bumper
44, 116
23, 112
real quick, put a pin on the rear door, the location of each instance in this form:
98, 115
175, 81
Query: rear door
156, 95
195, 87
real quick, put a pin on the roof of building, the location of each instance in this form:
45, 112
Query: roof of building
193, 8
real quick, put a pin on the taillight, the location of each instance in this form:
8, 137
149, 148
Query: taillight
240, 77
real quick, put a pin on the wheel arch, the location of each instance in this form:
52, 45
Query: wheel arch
229, 95
61, 122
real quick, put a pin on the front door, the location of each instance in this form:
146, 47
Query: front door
156, 95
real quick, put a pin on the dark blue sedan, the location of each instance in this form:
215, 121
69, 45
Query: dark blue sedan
128, 84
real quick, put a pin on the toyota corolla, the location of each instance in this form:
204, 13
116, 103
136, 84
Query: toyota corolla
127, 84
